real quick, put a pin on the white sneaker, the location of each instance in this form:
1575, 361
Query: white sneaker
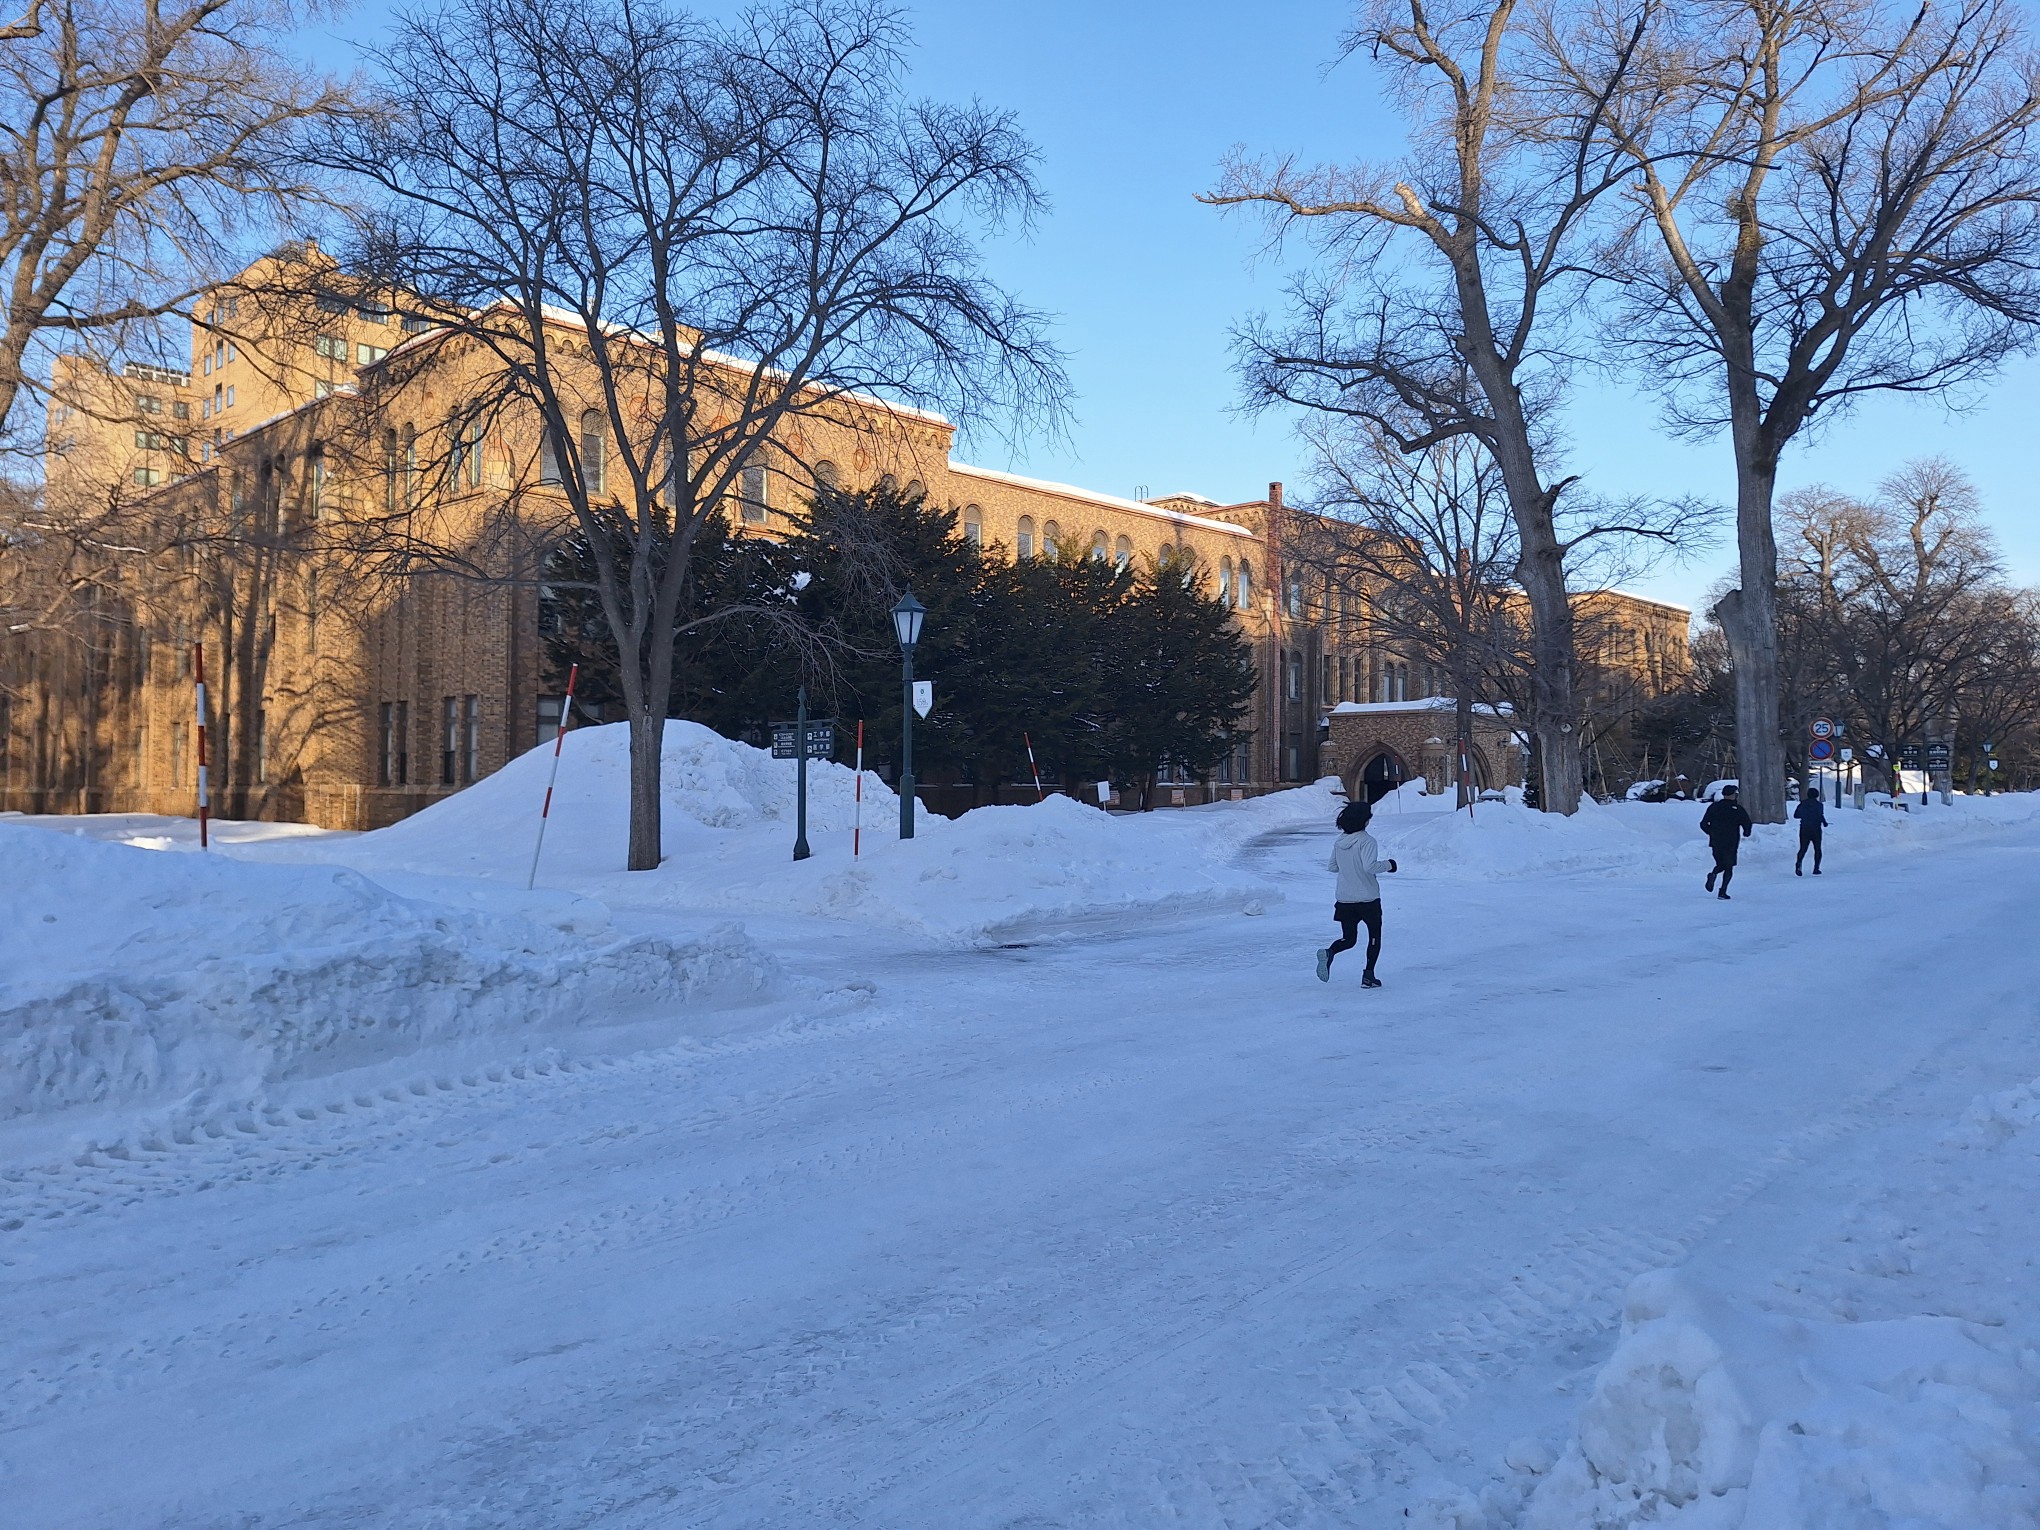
1324, 964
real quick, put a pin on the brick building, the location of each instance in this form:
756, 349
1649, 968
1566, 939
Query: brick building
348, 697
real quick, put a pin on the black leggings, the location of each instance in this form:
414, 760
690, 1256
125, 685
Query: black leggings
1808, 839
1724, 867
1351, 916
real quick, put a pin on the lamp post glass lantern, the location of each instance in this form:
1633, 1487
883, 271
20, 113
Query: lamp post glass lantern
907, 617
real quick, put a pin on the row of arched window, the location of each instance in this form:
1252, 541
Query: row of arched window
1236, 584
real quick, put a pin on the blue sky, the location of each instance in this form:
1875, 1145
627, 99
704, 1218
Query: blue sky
1133, 106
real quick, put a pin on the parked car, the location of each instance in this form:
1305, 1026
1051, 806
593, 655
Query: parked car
1712, 791
1678, 789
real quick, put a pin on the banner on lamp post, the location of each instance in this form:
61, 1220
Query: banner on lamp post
924, 697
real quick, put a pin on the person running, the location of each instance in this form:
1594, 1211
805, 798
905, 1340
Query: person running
1812, 816
1357, 901
1722, 823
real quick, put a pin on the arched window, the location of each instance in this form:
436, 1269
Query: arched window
1243, 587
1023, 537
1122, 554
316, 474
916, 489
754, 493
1051, 540
1101, 547
1294, 603
887, 484
390, 472
974, 525
410, 468
594, 452
1225, 578
827, 474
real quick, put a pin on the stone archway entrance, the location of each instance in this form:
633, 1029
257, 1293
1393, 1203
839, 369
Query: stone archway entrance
1382, 774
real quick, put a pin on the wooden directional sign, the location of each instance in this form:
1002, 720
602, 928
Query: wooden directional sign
821, 740
1938, 756
1909, 757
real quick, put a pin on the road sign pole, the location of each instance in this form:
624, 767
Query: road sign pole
800, 744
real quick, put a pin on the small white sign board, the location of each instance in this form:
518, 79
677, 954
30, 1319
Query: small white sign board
924, 696
1105, 792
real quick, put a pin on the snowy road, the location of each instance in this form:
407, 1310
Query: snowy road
1143, 1228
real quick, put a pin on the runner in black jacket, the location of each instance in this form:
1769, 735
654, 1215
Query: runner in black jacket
1812, 816
1724, 823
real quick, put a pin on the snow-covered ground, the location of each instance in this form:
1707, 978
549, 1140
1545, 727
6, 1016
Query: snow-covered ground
1020, 1176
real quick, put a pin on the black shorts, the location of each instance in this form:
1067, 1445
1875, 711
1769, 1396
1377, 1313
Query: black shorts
1368, 913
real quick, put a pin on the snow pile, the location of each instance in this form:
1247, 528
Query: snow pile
138, 978
1002, 872
1506, 839
1708, 1417
711, 788
1993, 1120
727, 830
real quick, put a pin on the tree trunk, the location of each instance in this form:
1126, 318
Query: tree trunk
1462, 718
1551, 679
647, 739
1749, 619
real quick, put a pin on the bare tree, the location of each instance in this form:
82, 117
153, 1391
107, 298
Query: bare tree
1895, 606
141, 142
1463, 258
656, 242
1422, 546
1832, 198
1998, 703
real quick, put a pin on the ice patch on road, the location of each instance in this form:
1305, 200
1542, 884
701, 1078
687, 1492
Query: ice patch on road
134, 978
1713, 1417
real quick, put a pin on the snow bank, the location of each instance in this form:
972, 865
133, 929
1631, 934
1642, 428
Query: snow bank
138, 978
1709, 1417
727, 833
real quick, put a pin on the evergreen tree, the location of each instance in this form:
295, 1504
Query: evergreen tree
1180, 676
1110, 671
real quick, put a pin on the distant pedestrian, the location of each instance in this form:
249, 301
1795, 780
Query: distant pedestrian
1357, 900
1724, 823
1812, 816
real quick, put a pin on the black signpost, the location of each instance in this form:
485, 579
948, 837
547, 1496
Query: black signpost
1940, 761
788, 739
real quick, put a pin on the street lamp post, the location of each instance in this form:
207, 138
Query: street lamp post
907, 617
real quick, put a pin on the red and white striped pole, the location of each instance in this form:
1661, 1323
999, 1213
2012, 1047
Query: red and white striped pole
1039, 794
204, 795
559, 738
857, 818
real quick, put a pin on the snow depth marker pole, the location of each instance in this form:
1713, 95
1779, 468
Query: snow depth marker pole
857, 818
204, 797
559, 738
1039, 794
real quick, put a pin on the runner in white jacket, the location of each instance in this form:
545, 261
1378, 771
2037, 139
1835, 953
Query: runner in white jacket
1357, 900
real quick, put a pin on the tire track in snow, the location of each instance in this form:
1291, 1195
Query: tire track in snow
1358, 1441
263, 1141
